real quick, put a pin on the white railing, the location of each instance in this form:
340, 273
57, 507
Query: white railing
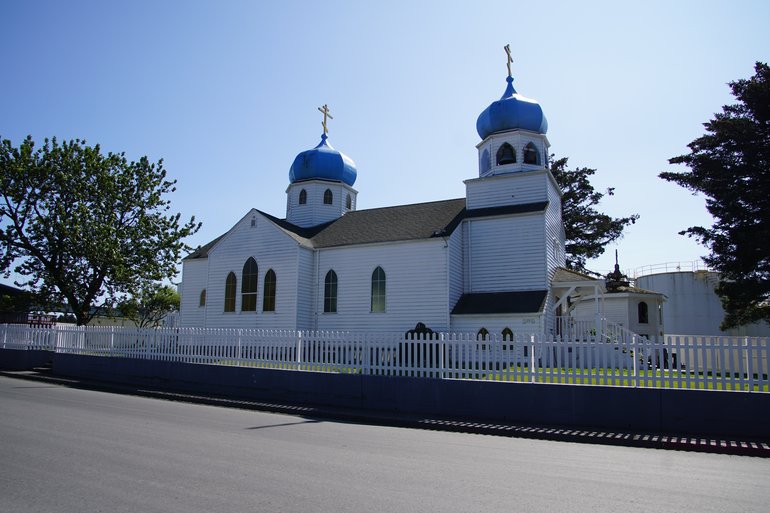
670, 267
616, 357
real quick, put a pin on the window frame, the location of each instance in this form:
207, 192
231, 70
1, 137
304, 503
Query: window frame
531, 150
302, 197
249, 285
328, 197
331, 289
231, 287
202, 299
378, 296
499, 154
643, 312
269, 288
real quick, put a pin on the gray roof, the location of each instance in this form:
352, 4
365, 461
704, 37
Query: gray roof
387, 224
518, 302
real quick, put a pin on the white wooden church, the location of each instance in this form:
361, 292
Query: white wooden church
492, 261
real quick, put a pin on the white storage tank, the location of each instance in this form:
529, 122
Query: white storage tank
692, 306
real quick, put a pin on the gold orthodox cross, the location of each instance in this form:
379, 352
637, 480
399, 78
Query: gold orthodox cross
510, 60
325, 110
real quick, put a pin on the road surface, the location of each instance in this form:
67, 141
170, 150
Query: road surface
69, 450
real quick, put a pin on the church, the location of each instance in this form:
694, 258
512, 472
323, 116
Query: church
491, 262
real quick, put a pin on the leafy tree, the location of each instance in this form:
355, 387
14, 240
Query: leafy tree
79, 225
730, 165
587, 230
150, 305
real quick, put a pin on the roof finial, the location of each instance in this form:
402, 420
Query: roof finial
325, 110
509, 59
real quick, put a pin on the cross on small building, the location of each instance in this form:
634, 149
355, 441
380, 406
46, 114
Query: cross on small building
510, 59
325, 111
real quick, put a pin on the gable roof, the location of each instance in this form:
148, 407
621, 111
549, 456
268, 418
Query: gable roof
387, 224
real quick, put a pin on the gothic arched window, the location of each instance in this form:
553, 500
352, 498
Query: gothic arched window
506, 155
230, 284
302, 197
202, 301
483, 334
268, 295
348, 202
643, 313
378, 290
531, 156
328, 197
330, 292
249, 286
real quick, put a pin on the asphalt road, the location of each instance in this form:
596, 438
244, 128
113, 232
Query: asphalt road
68, 450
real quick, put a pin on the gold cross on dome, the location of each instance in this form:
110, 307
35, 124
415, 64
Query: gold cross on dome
510, 60
325, 110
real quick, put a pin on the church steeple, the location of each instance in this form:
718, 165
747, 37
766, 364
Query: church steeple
320, 183
513, 131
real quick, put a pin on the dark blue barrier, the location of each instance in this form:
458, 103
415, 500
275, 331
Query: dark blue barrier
21, 359
704, 413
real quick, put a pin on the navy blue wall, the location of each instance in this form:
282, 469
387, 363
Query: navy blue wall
706, 413
15, 359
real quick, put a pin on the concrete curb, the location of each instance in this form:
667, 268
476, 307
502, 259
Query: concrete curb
755, 448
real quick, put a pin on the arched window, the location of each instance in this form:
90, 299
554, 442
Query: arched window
378, 290
249, 286
268, 296
506, 155
230, 292
330, 292
644, 312
531, 156
507, 337
483, 334
484, 163
202, 301
328, 197
348, 202
302, 197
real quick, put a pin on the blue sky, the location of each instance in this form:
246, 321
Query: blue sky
226, 93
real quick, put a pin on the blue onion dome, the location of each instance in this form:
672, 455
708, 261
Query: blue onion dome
511, 111
323, 163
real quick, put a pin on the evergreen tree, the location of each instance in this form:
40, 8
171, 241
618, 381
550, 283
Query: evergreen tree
587, 230
730, 166
82, 226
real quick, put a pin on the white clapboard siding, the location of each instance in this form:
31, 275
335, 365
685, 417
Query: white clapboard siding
496, 323
306, 280
509, 189
272, 249
315, 212
194, 280
506, 253
416, 286
554, 231
456, 266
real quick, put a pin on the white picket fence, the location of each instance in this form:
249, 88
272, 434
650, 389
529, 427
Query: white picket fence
694, 362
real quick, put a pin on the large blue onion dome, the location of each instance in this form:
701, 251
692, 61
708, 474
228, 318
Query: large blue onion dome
511, 111
323, 163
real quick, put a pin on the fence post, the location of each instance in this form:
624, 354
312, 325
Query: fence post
532, 358
299, 350
441, 349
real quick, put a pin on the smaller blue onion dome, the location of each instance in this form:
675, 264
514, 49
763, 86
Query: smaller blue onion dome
323, 163
511, 111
